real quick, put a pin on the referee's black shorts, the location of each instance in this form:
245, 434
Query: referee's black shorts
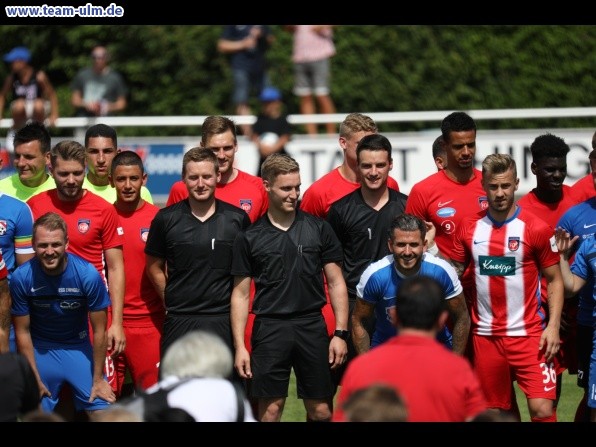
177, 325
280, 344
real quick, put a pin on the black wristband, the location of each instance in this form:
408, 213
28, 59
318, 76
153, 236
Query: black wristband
341, 334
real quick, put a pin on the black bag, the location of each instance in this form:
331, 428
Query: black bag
157, 408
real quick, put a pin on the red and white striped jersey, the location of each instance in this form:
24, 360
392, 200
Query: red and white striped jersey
506, 259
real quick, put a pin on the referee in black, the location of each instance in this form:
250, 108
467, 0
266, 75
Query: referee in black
287, 251
189, 253
361, 220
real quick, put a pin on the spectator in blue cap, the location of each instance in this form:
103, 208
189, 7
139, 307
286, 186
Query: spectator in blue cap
32, 95
271, 131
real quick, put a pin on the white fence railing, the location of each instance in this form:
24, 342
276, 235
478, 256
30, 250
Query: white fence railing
380, 117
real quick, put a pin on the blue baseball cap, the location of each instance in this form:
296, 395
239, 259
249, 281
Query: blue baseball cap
270, 94
18, 54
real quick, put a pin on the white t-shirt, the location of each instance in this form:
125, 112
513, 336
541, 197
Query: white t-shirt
205, 399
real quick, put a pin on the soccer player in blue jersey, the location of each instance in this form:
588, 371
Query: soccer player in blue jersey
378, 286
52, 296
16, 225
579, 223
580, 277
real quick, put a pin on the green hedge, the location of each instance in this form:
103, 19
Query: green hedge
176, 69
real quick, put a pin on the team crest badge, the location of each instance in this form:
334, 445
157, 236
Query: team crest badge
513, 243
144, 234
3, 227
83, 225
246, 205
483, 202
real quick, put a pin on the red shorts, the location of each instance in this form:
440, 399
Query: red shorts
141, 356
498, 360
567, 356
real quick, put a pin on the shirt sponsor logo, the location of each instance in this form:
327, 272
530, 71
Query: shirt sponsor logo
246, 205
513, 243
497, 265
446, 212
3, 227
68, 290
83, 225
70, 305
144, 234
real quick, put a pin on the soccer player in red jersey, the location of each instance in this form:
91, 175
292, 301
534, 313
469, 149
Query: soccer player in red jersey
549, 200
507, 251
144, 311
94, 233
583, 189
236, 187
447, 196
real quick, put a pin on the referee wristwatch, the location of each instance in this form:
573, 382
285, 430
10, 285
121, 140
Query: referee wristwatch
341, 334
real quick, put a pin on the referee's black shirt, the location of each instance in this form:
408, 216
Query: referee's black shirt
198, 256
287, 265
362, 231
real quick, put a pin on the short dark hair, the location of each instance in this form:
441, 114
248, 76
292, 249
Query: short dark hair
127, 158
101, 130
419, 302
548, 146
374, 142
438, 148
407, 222
34, 131
456, 122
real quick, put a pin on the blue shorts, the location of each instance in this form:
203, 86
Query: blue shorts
75, 366
592, 376
584, 354
247, 83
